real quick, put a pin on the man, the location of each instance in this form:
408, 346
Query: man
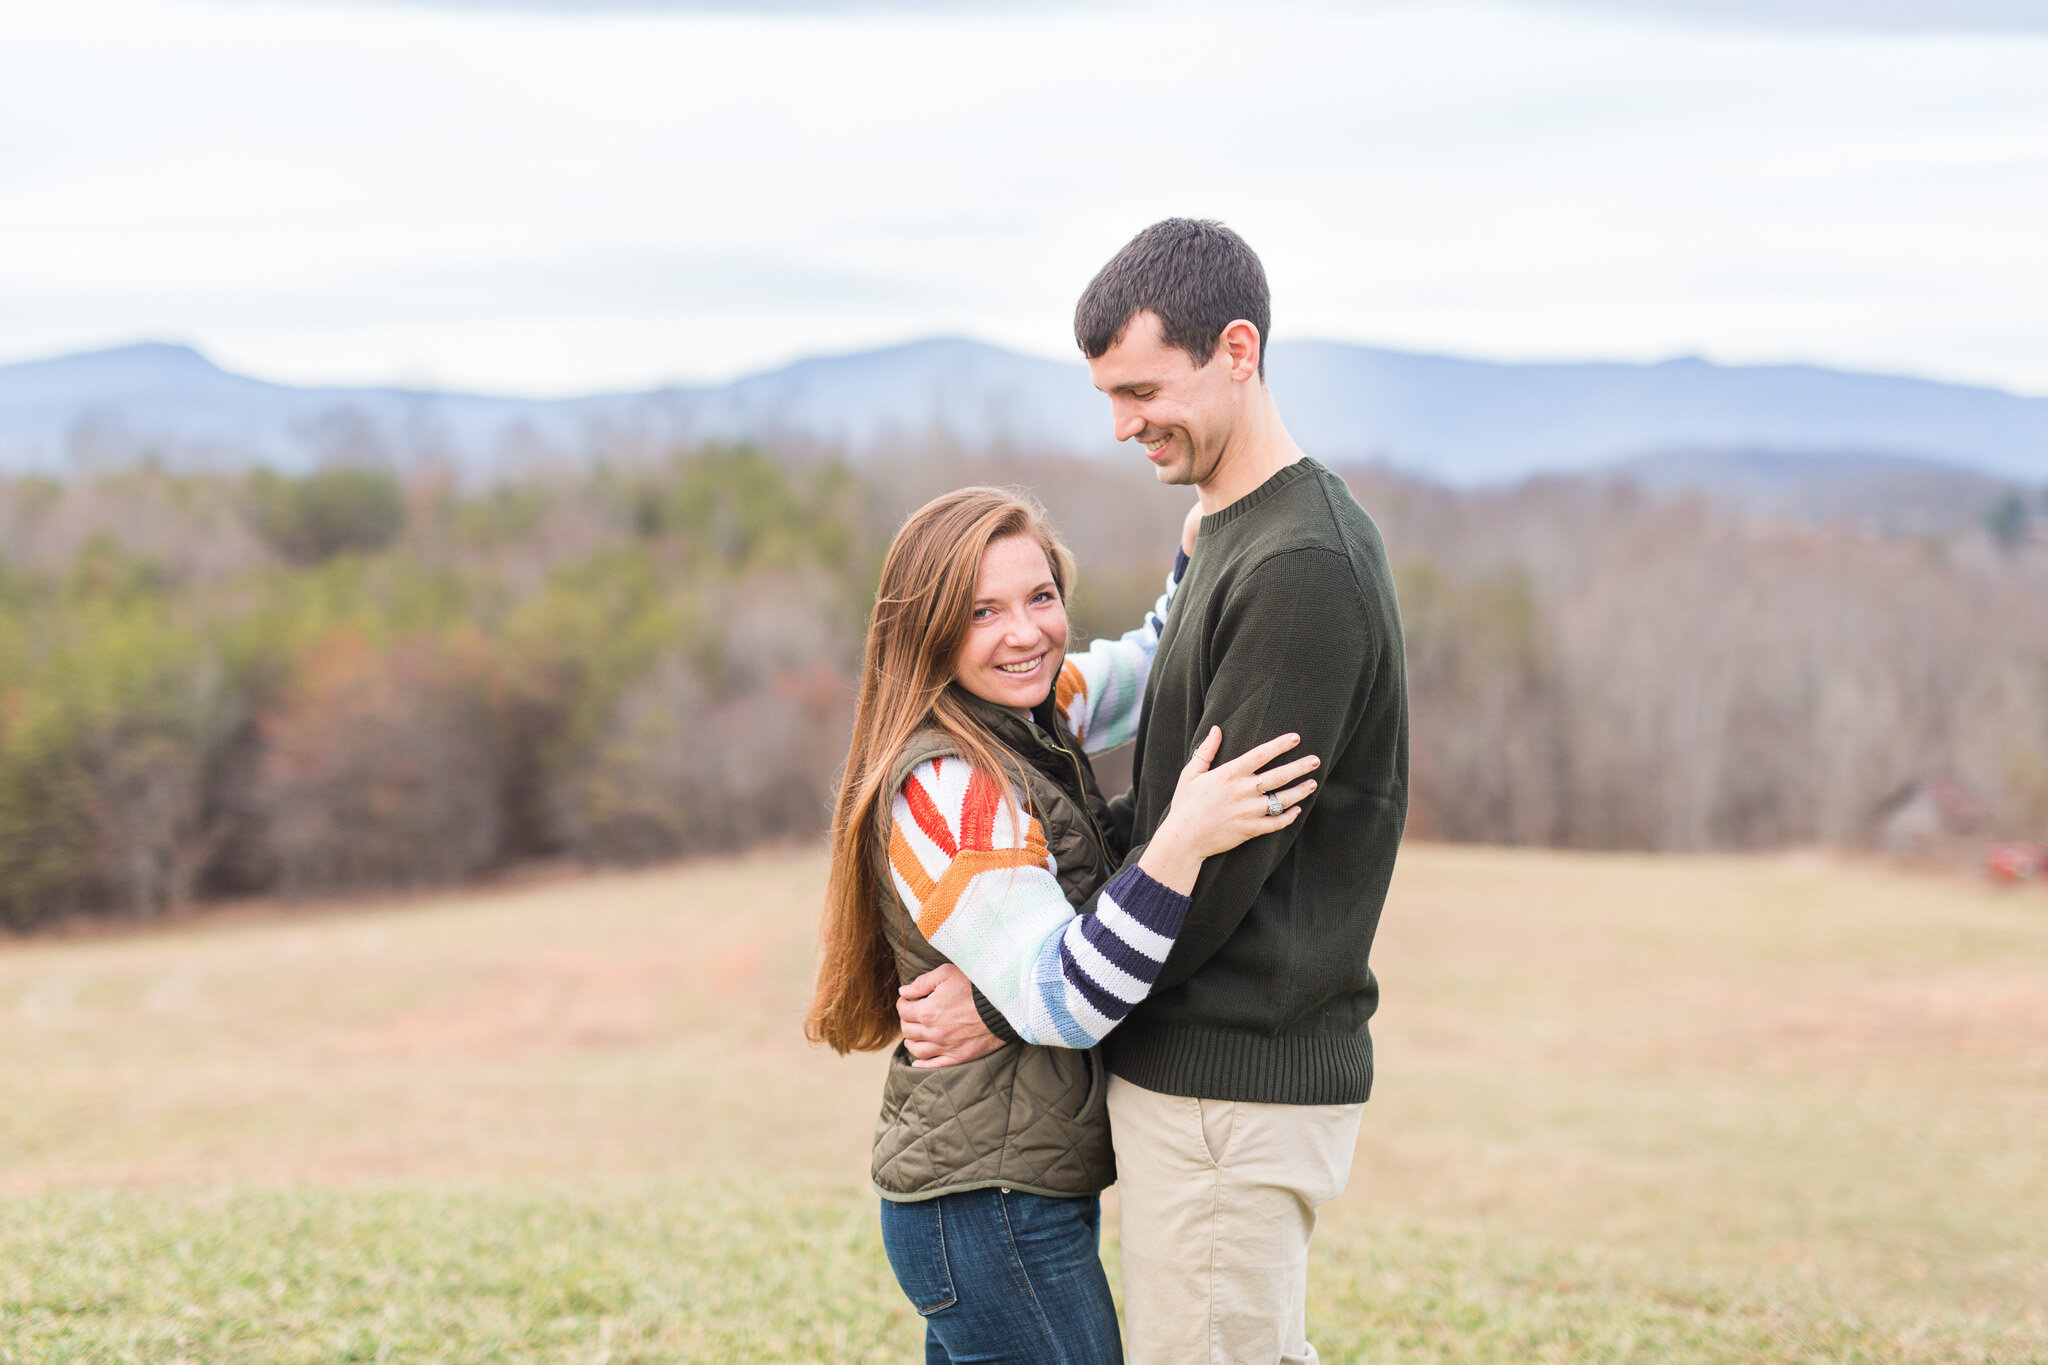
1236, 1089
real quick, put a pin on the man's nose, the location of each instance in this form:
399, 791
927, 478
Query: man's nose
1128, 422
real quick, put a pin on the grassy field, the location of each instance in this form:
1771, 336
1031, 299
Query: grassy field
1629, 1109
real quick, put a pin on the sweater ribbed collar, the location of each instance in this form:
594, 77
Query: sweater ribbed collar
1283, 476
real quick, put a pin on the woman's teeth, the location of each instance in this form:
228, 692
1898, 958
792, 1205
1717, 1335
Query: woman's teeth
1025, 667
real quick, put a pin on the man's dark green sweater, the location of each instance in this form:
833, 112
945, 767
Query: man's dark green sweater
1285, 622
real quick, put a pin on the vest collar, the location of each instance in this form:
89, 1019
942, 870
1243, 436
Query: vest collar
1038, 744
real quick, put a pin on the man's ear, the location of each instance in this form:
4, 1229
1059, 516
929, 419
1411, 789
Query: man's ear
1239, 348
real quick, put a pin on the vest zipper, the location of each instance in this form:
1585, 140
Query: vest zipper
1081, 790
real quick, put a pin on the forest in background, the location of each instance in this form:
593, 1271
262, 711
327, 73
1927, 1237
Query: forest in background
224, 684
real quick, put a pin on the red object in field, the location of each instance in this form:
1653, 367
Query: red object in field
2013, 862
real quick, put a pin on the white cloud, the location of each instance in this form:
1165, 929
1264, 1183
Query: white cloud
1864, 15
550, 202
1925, 16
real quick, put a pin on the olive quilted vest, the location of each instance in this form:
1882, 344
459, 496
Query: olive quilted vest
1024, 1117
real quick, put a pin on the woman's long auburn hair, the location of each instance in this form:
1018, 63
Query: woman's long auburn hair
923, 609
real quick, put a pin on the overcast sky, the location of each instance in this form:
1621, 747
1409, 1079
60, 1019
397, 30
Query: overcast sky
554, 197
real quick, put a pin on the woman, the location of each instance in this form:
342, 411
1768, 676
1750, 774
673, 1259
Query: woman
970, 829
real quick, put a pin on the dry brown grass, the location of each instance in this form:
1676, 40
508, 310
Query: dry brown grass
1789, 1071
627, 1024
1628, 1107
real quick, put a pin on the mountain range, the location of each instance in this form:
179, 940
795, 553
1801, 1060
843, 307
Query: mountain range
1456, 420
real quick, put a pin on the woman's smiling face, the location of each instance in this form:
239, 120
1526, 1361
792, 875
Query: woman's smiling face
1017, 635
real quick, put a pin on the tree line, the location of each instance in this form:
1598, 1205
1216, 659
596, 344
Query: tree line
1598, 668
223, 684
214, 685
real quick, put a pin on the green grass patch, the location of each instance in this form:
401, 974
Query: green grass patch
727, 1271
704, 1271
1408, 1295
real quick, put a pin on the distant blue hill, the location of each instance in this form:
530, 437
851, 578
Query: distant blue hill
1461, 421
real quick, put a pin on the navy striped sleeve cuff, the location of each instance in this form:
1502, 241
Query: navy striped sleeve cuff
1159, 908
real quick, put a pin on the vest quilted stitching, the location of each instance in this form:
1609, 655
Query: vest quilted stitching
1032, 1118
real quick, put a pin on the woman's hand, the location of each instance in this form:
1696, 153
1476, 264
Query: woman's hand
1216, 809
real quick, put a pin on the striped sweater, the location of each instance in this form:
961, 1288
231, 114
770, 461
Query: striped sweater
973, 870
1101, 692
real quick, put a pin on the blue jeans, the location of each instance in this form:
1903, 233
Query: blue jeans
1002, 1276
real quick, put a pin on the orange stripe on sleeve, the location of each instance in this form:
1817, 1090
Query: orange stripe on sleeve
1070, 685
945, 897
907, 867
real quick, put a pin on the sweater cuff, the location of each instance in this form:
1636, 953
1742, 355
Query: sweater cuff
1151, 903
992, 1018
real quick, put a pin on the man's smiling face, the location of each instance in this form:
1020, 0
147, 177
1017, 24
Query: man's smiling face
1180, 412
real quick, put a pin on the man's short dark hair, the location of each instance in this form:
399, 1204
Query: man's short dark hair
1195, 273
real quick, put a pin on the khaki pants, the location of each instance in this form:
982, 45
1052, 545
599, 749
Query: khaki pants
1217, 1202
